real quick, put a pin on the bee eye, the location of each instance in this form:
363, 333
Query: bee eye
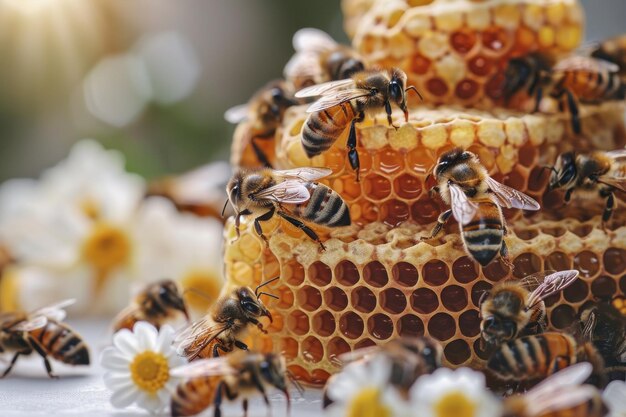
277, 94
251, 308
395, 91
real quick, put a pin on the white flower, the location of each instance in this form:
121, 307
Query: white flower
138, 367
362, 389
614, 397
453, 393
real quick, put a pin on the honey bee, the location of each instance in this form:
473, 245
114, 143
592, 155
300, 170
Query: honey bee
561, 395
515, 307
612, 50
320, 59
410, 358
220, 328
264, 112
605, 327
475, 200
157, 304
237, 376
345, 102
291, 194
534, 357
571, 80
42, 331
605, 170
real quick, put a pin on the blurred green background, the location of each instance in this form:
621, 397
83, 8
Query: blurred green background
153, 77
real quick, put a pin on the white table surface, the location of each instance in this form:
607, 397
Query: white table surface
28, 392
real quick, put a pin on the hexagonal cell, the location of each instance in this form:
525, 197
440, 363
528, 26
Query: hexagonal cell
312, 350
425, 211
376, 187
298, 322
469, 323
388, 161
442, 326
478, 290
424, 301
516, 180
622, 284
380, 326
526, 264
496, 270
346, 273
410, 326
289, 347
285, 297
394, 212
604, 287
437, 86
527, 233
454, 297
556, 231
527, 155
335, 299
335, 348
576, 292
405, 274
363, 299
323, 323
615, 260
375, 274
496, 39
587, 263
464, 270
320, 274
457, 352
558, 261
293, 273
393, 301
351, 325
420, 161
407, 186
562, 316
463, 40
364, 343
480, 65
309, 298
435, 272
582, 230
319, 376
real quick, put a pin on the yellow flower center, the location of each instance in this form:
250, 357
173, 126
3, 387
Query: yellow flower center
9, 289
367, 404
204, 288
90, 208
455, 404
150, 371
106, 248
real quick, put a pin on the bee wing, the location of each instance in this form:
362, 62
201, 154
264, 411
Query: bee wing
585, 63
463, 209
304, 174
312, 40
55, 311
325, 88
561, 400
328, 101
30, 324
237, 114
618, 183
589, 326
617, 154
532, 281
204, 367
551, 284
303, 65
288, 192
200, 334
509, 197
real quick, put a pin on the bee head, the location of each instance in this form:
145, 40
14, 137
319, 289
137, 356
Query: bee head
169, 294
517, 74
251, 305
234, 189
396, 88
564, 171
495, 329
451, 158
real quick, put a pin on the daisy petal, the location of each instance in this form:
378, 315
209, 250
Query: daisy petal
117, 381
146, 336
126, 343
165, 339
113, 360
151, 403
124, 398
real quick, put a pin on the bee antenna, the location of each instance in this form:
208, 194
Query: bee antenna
412, 87
295, 382
263, 284
268, 294
197, 292
224, 209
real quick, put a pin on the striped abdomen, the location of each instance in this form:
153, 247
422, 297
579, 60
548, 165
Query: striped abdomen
484, 234
62, 343
193, 396
322, 128
592, 86
325, 207
532, 357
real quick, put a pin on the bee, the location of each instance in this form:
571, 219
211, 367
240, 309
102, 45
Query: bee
320, 59
157, 304
264, 113
42, 331
571, 80
515, 307
237, 376
534, 357
410, 358
603, 170
605, 326
561, 395
475, 200
612, 50
291, 194
345, 102
220, 328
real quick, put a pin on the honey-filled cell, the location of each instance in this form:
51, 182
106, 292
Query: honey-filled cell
405, 274
393, 301
351, 325
319, 274
457, 352
410, 325
335, 299
442, 326
380, 326
323, 323
375, 274
363, 299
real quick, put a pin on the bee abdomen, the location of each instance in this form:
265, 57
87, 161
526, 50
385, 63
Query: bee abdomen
483, 238
322, 128
193, 396
63, 344
325, 207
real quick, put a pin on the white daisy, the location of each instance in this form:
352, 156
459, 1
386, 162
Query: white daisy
138, 367
614, 397
453, 393
362, 389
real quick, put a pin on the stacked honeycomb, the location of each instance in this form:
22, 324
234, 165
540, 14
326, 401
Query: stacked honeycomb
454, 51
377, 281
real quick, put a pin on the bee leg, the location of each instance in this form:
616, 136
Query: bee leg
306, 229
610, 203
217, 401
241, 345
504, 254
259, 386
258, 324
572, 105
39, 349
441, 221
263, 218
538, 98
217, 348
258, 152
568, 195
353, 155
388, 111
13, 361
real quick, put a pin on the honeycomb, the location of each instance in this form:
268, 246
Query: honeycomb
241, 152
454, 51
376, 280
